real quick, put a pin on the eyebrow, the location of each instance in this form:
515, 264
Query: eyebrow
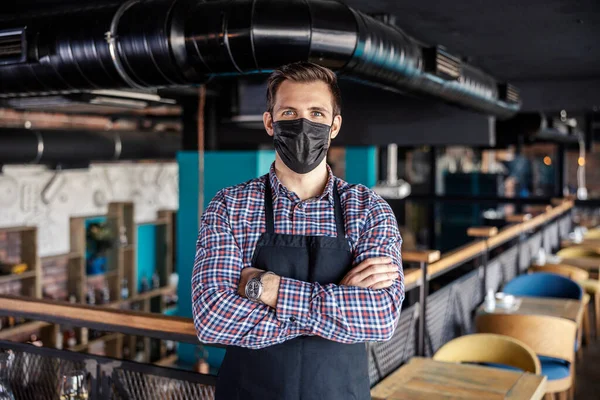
315, 108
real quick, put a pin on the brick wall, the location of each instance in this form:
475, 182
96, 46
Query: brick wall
54, 269
54, 272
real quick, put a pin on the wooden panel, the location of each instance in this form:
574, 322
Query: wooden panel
412, 277
29, 255
424, 379
76, 277
101, 318
518, 218
482, 231
427, 256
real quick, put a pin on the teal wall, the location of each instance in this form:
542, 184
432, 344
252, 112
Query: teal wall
228, 168
222, 169
361, 165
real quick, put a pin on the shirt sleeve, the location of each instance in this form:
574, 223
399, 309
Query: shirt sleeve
220, 314
351, 314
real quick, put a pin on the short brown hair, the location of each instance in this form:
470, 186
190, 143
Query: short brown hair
304, 72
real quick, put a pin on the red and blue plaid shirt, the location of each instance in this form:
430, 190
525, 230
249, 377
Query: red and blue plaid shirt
229, 231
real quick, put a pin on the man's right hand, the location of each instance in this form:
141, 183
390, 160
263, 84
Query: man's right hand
373, 273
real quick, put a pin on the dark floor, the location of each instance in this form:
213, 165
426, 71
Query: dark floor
587, 386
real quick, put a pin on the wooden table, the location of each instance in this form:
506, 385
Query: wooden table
424, 379
561, 308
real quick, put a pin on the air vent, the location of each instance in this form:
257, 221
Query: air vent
441, 63
508, 93
12, 46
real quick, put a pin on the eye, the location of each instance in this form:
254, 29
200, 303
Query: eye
288, 113
317, 114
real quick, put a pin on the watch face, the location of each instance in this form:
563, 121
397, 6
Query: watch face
253, 289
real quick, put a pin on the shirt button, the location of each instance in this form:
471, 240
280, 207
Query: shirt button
292, 319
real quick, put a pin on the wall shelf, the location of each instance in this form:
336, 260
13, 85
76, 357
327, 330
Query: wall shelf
167, 361
27, 327
16, 277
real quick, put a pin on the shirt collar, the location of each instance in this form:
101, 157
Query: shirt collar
278, 188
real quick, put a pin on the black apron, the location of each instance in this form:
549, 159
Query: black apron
307, 367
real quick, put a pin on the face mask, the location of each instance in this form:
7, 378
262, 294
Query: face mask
301, 143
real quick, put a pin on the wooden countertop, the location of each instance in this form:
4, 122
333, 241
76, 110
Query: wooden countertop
424, 379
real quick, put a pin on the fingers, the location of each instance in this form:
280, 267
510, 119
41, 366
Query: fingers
382, 285
373, 270
371, 261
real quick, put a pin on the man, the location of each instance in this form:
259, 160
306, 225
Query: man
295, 270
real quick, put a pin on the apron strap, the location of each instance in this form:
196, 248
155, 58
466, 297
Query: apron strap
269, 222
339, 214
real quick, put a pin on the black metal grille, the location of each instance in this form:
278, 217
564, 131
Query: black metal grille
441, 319
508, 259
467, 292
494, 275
36, 374
564, 226
534, 243
524, 256
385, 357
131, 385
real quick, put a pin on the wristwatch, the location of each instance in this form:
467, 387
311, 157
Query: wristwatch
254, 287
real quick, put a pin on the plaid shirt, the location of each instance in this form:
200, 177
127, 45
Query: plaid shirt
229, 231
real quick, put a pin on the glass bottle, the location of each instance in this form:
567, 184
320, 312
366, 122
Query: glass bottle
145, 285
123, 241
155, 281
124, 289
6, 360
73, 386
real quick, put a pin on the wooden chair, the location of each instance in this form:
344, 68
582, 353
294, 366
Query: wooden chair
490, 348
581, 251
580, 276
549, 337
591, 286
592, 234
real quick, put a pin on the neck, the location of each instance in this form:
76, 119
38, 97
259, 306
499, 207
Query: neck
305, 186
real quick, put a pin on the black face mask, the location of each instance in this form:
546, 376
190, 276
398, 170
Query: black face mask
301, 143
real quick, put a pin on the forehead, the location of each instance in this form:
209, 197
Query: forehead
304, 94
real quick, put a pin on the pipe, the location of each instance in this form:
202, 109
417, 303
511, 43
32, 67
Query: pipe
25, 146
188, 42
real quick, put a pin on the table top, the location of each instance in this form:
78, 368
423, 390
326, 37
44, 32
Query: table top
561, 308
424, 379
589, 264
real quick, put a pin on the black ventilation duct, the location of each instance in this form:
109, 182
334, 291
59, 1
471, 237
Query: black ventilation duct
28, 146
142, 44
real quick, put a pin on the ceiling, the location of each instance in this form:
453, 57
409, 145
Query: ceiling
514, 40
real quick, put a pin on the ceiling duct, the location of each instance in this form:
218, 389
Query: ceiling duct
29, 146
188, 42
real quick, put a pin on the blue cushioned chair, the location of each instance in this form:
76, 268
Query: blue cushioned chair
543, 284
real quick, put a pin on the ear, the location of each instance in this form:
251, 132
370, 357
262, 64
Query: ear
336, 126
268, 122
